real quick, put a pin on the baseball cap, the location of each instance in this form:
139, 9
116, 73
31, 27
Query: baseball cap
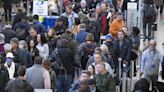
9, 55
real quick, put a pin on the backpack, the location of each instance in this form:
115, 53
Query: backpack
87, 51
56, 63
149, 11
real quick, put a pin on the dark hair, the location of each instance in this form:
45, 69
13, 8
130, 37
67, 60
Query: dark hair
36, 17
119, 13
29, 44
94, 72
62, 43
34, 27
86, 72
92, 82
77, 21
135, 30
21, 70
121, 31
30, 18
46, 64
25, 17
38, 60
43, 39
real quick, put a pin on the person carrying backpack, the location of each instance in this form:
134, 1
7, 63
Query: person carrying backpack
149, 16
86, 49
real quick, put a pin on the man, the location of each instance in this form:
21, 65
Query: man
32, 35
102, 19
4, 76
85, 76
38, 76
104, 79
7, 5
122, 48
39, 26
92, 86
10, 65
19, 84
149, 16
116, 25
151, 58
70, 14
81, 36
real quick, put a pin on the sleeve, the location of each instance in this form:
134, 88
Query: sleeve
143, 60
46, 50
128, 52
111, 84
47, 81
103, 24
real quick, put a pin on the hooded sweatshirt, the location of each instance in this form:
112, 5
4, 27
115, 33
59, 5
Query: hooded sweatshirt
18, 85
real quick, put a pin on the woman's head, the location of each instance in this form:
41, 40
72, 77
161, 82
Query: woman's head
51, 32
91, 69
104, 49
32, 44
41, 39
46, 64
135, 31
121, 35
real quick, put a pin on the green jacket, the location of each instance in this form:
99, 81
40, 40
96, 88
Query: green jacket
105, 82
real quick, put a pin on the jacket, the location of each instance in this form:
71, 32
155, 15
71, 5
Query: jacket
8, 34
4, 78
105, 82
102, 19
123, 52
19, 85
115, 27
81, 36
38, 77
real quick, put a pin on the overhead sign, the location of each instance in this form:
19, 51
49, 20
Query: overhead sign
40, 7
132, 14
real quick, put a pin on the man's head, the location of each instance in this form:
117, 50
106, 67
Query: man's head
24, 19
90, 37
21, 71
82, 27
38, 60
83, 4
121, 35
35, 17
33, 32
100, 68
119, 16
109, 38
153, 44
98, 9
14, 43
7, 47
85, 75
104, 7
92, 84
69, 9
83, 85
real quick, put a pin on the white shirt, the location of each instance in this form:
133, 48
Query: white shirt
11, 69
43, 50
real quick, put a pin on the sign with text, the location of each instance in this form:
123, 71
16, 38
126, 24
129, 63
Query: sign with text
40, 7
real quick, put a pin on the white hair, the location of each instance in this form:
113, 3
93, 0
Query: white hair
103, 46
7, 47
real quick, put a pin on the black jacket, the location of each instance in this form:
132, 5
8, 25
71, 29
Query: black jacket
19, 85
4, 78
8, 34
124, 52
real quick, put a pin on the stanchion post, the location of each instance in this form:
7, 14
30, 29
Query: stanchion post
119, 60
132, 75
124, 82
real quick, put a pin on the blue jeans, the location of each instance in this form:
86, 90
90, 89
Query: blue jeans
63, 83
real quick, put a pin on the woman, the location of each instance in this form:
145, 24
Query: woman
51, 39
91, 69
47, 65
32, 49
42, 46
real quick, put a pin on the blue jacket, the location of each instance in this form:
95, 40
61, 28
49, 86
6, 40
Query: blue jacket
81, 37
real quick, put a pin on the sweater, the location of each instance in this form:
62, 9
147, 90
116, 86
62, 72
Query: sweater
115, 27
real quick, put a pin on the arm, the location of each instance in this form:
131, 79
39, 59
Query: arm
143, 61
128, 52
103, 24
47, 82
46, 50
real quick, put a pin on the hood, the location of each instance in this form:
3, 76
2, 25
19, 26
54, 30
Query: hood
20, 83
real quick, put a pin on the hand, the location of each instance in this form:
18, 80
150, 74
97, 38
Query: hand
120, 59
125, 62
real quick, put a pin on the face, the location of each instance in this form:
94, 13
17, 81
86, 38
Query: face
92, 87
152, 45
39, 38
90, 69
32, 33
119, 17
98, 10
83, 87
104, 51
120, 35
21, 46
32, 44
50, 33
99, 68
84, 77
13, 45
97, 58
83, 5
68, 10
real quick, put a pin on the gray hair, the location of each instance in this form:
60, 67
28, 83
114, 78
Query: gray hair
7, 47
23, 42
103, 46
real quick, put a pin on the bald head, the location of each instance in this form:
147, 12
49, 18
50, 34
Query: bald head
153, 44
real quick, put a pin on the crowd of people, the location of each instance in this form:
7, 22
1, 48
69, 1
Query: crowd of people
71, 57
